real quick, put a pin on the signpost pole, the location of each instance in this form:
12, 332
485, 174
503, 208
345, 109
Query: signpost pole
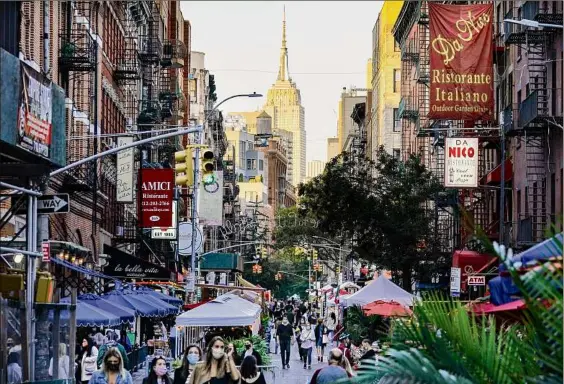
193, 215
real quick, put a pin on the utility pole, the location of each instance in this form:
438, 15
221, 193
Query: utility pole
194, 212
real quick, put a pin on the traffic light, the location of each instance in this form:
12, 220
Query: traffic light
259, 269
208, 166
314, 254
184, 167
255, 268
338, 270
263, 253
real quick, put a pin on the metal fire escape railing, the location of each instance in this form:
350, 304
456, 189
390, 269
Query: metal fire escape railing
531, 118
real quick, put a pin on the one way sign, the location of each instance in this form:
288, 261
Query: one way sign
46, 204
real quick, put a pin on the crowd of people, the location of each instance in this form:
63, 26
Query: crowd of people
302, 323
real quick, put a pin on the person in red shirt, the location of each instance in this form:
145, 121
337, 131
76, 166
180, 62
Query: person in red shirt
345, 345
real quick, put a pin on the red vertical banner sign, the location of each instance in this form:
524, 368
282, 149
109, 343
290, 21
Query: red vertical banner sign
156, 188
461, 55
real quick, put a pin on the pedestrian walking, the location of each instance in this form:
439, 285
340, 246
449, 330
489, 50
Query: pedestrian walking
308, 339
64, 364
321, 339
250, 373
192, 355
112, 342
331, 325
218, 367
87, 360
158, 372
333, 372
285, 334
249, 351
112, 371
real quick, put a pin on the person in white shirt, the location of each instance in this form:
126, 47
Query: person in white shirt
308, 339
64, 364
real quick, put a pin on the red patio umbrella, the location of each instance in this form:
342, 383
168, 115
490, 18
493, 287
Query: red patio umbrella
387, 308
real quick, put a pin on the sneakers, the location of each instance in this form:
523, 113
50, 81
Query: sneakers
305, 366
308, 367
288, 366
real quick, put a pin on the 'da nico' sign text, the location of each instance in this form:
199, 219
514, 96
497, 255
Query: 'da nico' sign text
461, 162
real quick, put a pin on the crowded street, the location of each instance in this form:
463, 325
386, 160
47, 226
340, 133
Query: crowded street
260, 192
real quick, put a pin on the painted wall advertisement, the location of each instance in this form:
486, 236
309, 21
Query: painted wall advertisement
461, 162
157, 190
124, 165
461, 55
34, 115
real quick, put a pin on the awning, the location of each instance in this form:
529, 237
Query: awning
126, 315
140, 306
469, 262
225, 311
161, 296
88, 315
485, 308
547, 250
146, 297
494, 176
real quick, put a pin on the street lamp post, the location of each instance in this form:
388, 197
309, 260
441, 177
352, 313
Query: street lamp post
194, 210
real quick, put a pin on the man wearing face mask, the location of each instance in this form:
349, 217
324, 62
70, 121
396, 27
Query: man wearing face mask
249, 351
285, 335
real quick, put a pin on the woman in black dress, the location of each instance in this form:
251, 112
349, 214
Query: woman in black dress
250, 373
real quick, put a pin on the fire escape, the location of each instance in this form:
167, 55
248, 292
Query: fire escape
77, 65
530, 121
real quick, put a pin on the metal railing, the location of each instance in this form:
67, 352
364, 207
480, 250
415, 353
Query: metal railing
137, 357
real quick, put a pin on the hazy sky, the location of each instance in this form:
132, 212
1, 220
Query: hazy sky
329, 44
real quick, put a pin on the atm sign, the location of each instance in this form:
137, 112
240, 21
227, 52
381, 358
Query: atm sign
476, 280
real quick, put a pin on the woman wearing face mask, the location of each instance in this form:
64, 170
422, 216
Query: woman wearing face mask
158, 372
218, 368
112, 370
192, 355
87, 359
308, 339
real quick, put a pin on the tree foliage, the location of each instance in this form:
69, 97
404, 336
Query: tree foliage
383, 206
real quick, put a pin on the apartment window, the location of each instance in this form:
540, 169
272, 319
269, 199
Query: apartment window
397, 80
249, 164
261, 165
396, 153
397, 47
397, 121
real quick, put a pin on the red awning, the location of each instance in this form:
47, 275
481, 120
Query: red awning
485, 308
494, 176
469, 261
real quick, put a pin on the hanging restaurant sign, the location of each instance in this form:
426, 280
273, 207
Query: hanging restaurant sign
461, 59
123, 265
461, 162
34, 115
157, 190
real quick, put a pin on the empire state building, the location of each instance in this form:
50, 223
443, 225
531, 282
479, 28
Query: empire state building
284, 105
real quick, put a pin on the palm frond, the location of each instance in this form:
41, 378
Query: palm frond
408, 367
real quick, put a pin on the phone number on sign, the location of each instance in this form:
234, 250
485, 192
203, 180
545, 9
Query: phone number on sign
155, 204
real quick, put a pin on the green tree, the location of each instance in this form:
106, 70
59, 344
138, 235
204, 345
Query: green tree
294, 229
284, 261
382, 206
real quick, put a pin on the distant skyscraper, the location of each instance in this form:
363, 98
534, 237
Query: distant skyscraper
332, 148
314, 168
284, 105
